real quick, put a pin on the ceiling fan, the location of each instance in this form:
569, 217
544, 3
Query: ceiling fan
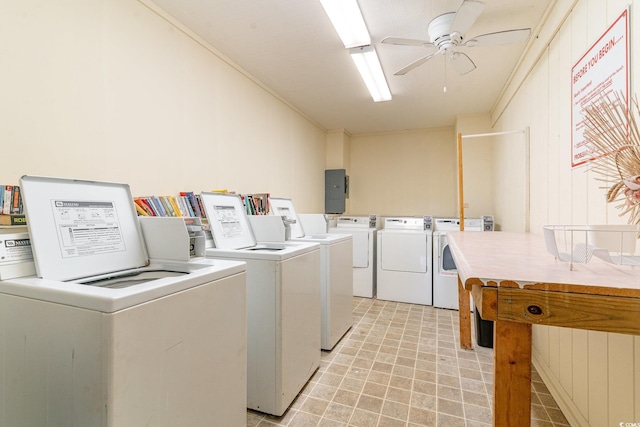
447, 32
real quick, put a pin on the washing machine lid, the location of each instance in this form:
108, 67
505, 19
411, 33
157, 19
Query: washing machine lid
228, 220
269, 251
81, 228
284, 207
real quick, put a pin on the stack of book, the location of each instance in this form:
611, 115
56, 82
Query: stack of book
187, 204
11, 212
256, 204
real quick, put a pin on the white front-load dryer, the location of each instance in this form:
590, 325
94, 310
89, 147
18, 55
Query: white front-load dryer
405, 260
103, 336
364, 231
283, 304
336, 277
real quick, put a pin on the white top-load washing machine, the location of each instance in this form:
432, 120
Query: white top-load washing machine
103, 336
283, 304
364, 231
445, 274
404, 260
336, 282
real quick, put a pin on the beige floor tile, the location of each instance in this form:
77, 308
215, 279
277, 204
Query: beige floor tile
338, 412
445, 420
450, 407
370, 403
374, 389
361, 418
345, 397
422, 417
314, 406
398, 395
395, 410
302, 419
390, 422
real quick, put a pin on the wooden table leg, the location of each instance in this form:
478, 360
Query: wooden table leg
464, 308
512, 374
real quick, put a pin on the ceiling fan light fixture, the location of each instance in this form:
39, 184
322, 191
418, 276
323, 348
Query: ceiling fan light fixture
347, 19
368, 64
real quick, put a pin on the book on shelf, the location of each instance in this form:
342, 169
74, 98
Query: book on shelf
13, 219
192, 203
256, 204
16, 200
158, 205
177, 211
11, 212
203, 213
187, 204
8, 199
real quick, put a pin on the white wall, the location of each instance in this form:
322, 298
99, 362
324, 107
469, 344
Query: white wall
115, 90
595, 376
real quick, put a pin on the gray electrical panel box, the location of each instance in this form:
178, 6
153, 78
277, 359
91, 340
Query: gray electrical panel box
336, 187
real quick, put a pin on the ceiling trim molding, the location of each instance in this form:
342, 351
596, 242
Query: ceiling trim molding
154, 8
552, 21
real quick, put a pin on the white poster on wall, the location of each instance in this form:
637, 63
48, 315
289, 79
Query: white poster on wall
602, 70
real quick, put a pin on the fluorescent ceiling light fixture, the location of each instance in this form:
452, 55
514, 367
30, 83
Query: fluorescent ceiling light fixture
370, 69
347, 19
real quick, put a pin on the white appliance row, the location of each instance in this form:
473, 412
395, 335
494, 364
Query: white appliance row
408, 260
104, 334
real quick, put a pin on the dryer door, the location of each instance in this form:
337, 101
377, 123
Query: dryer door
446, 264
403, 251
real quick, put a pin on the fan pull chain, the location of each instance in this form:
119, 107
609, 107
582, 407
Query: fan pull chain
445, 74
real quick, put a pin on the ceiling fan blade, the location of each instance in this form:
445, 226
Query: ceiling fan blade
466, 15
462, 63
415, 64
406, 42
500, 38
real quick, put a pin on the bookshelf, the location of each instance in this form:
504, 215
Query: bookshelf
11, 211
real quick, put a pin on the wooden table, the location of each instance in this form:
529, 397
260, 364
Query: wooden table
516, 283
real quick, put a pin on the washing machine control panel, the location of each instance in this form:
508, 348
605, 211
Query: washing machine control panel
370, 221
428, 222
487, 223
409, 223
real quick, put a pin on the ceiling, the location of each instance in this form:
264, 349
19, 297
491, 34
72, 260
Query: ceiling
292, 48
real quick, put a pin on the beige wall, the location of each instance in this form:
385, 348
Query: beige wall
407, 173
595, 376
416, 172
113, 90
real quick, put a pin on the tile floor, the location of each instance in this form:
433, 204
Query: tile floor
401, 365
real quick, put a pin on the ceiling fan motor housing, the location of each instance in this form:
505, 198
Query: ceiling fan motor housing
439, 32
